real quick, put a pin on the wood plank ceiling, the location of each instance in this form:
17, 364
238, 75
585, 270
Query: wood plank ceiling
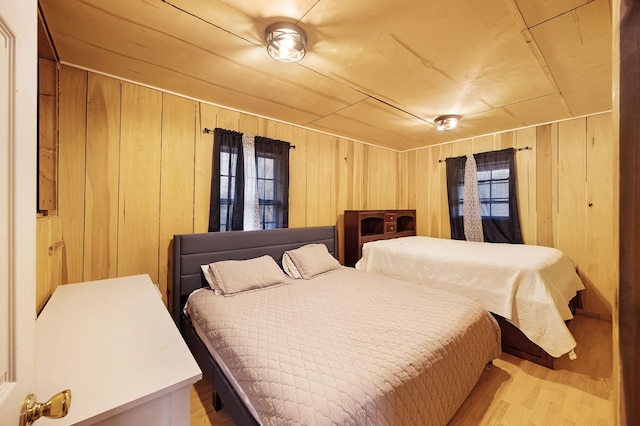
375, 71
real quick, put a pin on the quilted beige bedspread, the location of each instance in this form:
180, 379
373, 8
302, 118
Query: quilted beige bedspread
350, 347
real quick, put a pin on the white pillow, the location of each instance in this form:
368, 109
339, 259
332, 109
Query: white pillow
237, 276
309, 261
208, 275
289, 267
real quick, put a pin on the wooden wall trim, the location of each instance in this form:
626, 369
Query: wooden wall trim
47, 135
629, 296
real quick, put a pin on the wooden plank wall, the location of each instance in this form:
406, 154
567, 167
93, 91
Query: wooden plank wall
565, 186
135, 169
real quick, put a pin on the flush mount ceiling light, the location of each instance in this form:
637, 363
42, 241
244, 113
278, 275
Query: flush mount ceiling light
286, 42
447, 122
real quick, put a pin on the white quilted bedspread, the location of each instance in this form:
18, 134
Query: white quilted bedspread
350, 347
530, 286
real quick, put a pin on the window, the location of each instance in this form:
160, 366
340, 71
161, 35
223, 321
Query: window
497, 194
266, 189
251, 186
493, 188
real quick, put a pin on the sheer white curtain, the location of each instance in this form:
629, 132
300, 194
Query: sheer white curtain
472, 215
251, 202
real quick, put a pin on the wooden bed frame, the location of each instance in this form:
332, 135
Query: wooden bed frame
192, 250
515, 342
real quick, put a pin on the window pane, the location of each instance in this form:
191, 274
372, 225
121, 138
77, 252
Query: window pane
234, 163
484, 175
500, 210
269, 164
500, 190
269, 193
224, 163
501, 174
227, 192
260, 166
224, 187
485, 210
267, 218
232, 192
228, 167
223, 215
484, 190
261, 188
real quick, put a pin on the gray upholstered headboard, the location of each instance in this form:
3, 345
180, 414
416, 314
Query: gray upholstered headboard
192, 250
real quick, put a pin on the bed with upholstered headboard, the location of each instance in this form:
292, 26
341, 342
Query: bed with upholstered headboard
332, 345
192, 250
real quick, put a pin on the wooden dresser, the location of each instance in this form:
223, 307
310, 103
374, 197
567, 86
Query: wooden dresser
115, 346
362, 226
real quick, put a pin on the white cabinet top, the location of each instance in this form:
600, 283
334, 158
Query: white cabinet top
114, 344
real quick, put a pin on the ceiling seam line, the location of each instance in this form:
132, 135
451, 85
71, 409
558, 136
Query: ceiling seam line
307, 12
560, 14
536, 51
365, 94
208, 22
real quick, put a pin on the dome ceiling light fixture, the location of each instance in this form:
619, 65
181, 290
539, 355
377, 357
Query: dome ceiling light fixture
447, 122
286, 42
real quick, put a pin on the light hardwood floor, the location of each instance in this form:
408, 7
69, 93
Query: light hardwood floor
512, 391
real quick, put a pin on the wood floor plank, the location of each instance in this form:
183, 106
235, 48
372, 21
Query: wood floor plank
512, 391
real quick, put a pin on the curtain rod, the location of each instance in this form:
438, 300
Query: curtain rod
517, 149
211, 132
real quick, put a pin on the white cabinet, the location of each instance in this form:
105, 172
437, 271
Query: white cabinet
114, 344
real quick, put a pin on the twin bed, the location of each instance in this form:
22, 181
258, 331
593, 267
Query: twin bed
528, 288
335, 346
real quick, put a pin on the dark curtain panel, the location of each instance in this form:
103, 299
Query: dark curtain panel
227, 182
274, 201
455, 193
497, 177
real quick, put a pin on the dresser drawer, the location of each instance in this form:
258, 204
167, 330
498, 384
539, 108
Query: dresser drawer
390, 217
390, 227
